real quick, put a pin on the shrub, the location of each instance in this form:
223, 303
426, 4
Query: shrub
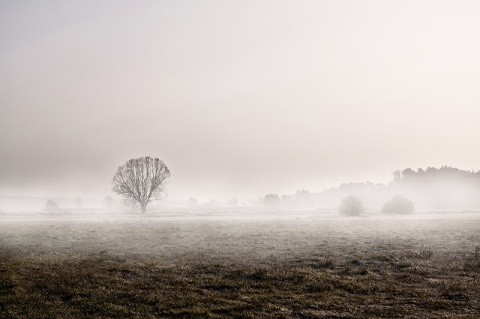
351, 206
51, 206
271, 200
398, 204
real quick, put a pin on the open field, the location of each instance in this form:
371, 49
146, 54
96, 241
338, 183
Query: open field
240, 265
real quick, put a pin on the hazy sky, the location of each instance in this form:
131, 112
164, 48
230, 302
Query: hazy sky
239, 98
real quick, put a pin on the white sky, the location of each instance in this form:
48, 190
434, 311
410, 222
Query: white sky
239, 99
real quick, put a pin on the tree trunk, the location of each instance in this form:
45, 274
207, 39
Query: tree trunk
143, 207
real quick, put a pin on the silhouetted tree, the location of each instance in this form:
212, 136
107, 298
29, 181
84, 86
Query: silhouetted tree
434, 175
351, 206
141, 181
397, 176
398, 204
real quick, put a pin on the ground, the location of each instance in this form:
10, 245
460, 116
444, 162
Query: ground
239, 264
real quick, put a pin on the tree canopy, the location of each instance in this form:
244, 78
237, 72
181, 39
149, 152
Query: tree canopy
141, 181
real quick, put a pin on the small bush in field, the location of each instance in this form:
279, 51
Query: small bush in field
398, 204
51, 206
351, 206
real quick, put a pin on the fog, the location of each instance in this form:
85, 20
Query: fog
268, 115
254, 159
238, 99
431, 189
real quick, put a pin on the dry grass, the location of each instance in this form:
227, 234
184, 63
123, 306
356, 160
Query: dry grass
333, 275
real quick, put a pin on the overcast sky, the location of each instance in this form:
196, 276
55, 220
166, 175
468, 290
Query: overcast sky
238, 98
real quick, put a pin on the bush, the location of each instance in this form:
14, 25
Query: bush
351, 206
399, 204
271, 200
51, 206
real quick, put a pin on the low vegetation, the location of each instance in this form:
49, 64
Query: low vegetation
373, 286
51, 206
351, 206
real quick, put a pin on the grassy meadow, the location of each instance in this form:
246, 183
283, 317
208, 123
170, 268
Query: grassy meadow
239, 265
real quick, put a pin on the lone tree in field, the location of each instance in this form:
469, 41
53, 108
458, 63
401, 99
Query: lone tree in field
351, 206
141, 181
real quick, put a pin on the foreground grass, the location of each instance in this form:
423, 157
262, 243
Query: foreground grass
409, 285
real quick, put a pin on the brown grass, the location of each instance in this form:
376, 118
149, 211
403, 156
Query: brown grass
374, 286
297, 268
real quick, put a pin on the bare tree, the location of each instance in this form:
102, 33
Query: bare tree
141, 181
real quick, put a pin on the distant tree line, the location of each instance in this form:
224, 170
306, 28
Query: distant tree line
433, 175
301, 199
440, 188
444, 188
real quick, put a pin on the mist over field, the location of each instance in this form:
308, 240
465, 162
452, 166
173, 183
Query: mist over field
274, 257
251, 159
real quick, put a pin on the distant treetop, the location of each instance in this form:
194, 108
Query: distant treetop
432, 173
